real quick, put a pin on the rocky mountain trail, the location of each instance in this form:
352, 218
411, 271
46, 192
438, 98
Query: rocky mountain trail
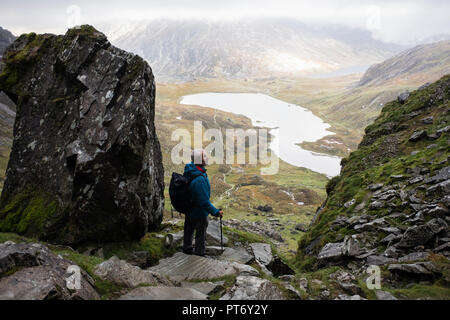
248, 270
241, 271
203, 275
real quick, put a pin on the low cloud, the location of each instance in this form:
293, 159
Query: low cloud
405, 22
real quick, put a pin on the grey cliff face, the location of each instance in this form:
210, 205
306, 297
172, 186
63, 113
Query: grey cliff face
86, 162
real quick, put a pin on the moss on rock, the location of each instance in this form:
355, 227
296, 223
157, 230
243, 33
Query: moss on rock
28, 212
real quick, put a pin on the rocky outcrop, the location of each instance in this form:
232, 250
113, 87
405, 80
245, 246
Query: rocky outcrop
390, 205
33, 272
421, 234
85, 163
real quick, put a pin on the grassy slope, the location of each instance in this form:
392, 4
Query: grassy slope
386, 151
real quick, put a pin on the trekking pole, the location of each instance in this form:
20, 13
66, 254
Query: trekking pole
221, 234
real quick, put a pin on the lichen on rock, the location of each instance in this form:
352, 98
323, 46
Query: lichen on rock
86, 162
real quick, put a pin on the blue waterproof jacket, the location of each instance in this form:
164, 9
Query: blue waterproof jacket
200, 190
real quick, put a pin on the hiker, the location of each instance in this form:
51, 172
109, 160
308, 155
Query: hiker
200, 191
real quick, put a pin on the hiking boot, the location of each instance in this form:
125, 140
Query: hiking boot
189, 252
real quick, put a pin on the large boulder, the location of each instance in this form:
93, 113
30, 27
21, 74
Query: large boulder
35, 273
421, 234
420, 270
86, 163
339, 252
262, 253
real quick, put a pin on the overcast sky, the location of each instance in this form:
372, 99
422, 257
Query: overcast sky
400, 21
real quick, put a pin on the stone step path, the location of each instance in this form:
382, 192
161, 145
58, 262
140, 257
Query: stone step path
181, 267
191, 277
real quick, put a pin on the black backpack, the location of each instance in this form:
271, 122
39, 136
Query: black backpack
180, 197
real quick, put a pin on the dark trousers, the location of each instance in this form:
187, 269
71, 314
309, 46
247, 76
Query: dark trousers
198, 226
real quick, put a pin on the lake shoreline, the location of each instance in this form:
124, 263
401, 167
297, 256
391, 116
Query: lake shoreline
296, 125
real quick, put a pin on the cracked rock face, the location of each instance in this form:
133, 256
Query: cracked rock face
86, 162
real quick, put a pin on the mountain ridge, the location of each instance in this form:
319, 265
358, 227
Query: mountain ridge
429, 59
186, 50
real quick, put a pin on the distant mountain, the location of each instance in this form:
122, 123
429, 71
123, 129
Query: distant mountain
429, 60
185, 50
6, 38
356, 107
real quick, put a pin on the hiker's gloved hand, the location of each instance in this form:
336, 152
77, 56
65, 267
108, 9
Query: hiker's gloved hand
220, 214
